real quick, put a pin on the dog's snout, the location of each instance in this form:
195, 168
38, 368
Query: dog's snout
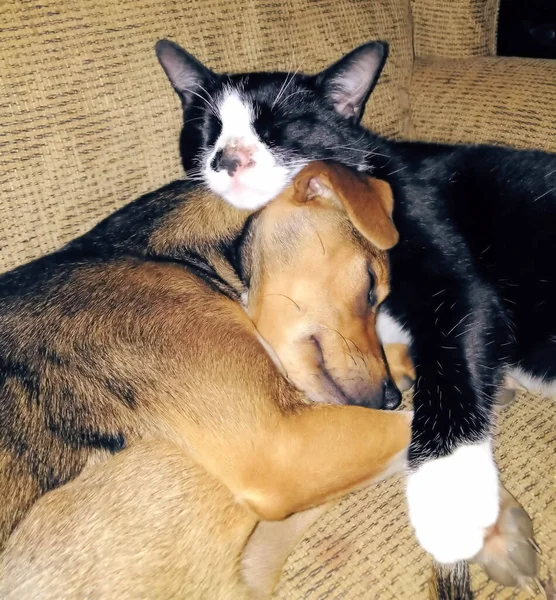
386, 397
235, 155
392, 396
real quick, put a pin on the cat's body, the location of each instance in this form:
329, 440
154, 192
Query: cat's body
473, 286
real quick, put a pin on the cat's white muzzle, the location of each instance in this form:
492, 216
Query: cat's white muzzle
245, 174
240, 168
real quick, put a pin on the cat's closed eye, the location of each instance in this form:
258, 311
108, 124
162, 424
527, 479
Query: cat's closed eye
272, 130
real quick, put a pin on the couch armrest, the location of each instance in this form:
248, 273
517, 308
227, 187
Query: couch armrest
454, 29
491, 100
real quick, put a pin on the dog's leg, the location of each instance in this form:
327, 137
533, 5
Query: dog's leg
400, 365
273, 541
251, 429
318, 453
269, 547
147, 523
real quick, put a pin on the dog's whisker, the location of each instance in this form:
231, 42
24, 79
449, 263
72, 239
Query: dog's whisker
290, 299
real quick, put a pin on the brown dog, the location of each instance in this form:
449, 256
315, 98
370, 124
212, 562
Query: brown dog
133, 339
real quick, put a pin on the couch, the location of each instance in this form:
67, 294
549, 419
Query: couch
89, 122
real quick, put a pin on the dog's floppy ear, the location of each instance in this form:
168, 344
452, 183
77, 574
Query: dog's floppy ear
367, 201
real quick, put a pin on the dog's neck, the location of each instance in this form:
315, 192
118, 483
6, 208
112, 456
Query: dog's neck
184, 223
209, 236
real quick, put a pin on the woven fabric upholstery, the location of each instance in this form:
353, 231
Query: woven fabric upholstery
455, 29
364, 549
508, 101
89, 122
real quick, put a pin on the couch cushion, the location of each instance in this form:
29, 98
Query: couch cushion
455, 29
490, 100
89, 122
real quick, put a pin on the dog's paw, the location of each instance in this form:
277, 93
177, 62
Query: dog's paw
509, 554
453, 501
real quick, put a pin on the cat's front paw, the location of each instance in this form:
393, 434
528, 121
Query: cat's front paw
453, 500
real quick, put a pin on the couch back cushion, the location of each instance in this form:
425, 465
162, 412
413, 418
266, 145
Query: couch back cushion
455, 29
88, 120
488, 100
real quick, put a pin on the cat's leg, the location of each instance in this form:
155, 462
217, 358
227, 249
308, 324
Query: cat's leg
509, 553
456, 346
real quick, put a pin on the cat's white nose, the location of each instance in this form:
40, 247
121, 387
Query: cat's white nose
235, 156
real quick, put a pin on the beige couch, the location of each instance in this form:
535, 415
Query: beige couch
88, 122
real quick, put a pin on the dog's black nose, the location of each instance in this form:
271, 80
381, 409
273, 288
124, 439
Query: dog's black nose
386, 397
228, 161
392, 396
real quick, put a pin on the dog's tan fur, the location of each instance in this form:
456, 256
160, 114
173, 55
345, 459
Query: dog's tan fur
140, 354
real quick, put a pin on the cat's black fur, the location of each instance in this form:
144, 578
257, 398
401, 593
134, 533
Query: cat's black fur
473, 274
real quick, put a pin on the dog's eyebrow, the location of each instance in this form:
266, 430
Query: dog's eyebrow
287, 236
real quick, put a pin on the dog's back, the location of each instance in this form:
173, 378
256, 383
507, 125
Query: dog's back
71, 388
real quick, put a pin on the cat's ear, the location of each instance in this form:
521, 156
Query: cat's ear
348, 83
186, 74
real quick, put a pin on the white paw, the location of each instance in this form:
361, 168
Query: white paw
452, 500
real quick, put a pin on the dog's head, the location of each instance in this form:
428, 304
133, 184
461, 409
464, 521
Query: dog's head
321, 273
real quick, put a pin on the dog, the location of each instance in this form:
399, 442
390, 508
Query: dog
157, 518
147, 336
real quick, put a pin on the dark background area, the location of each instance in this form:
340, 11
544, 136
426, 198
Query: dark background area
527, 28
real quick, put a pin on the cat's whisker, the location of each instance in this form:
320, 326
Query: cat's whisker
284, 100
281, 90
354, 149
289, 77
192, 120
210, 105
397, 170
287, 81
207, 96
304, 162
365, 153
374, 153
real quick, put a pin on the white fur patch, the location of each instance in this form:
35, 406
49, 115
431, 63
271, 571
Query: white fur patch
254, 186
245, 301
534, 384
389, 330
452, 500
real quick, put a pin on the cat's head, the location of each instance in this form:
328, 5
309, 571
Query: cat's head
247, 135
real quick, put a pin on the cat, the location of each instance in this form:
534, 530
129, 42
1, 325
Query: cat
473, 288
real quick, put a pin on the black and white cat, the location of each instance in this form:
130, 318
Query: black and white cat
473, 276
